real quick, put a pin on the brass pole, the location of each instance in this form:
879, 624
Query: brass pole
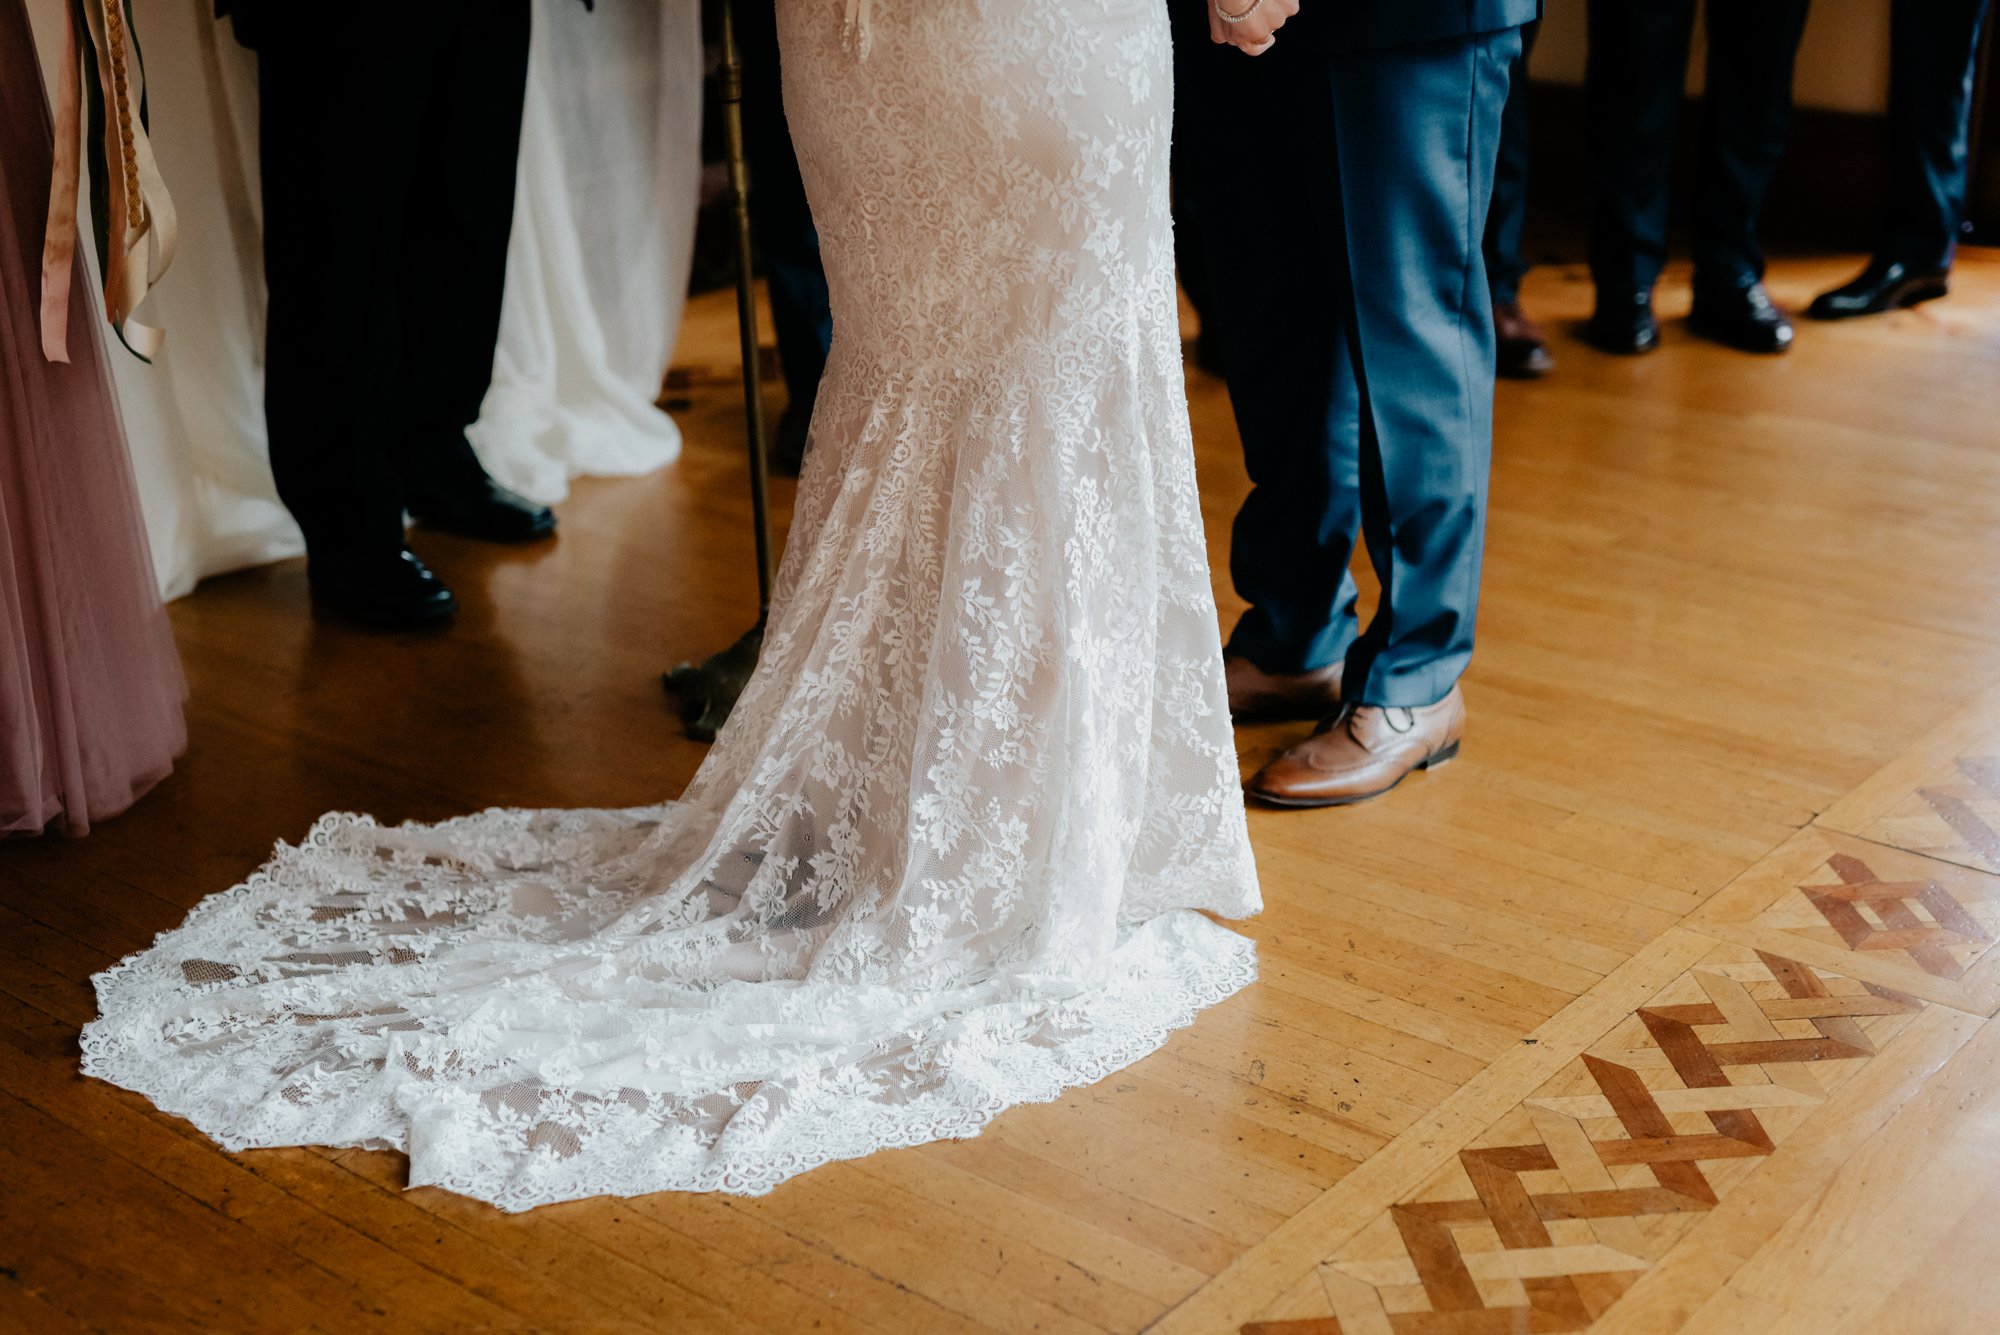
709, 691
746, 303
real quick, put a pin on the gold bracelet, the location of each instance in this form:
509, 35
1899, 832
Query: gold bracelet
1228, 17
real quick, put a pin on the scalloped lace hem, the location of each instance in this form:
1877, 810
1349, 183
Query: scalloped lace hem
1181, 962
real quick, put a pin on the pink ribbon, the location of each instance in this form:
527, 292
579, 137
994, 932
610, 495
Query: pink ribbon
139, 222
59, 240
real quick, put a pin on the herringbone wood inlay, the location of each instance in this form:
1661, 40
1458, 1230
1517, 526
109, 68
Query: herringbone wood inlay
1900, 919
1920, 918
1942, 799
1955, 815
1543, 1221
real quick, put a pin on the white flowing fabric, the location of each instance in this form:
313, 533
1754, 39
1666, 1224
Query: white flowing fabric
194, 418
948, 854
596, 272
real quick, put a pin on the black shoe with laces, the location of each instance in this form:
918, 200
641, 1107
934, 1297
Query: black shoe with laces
388, 590
484, 510
1885, 285
1624, 323
1744, 318
788, 451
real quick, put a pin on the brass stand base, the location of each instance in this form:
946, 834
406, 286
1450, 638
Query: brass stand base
707, 691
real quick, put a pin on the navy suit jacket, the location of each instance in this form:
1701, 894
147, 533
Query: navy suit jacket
1368, 25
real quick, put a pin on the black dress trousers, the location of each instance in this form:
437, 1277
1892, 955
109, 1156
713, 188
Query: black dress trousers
1933, 45
1633, 83
389, 147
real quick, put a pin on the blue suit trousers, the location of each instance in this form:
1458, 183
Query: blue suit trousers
1340, 196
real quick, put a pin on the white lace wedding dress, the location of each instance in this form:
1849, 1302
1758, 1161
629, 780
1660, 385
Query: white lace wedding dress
949, 853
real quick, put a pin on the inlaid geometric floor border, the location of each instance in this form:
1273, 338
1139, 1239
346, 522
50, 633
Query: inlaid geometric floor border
1879, 914
1941, 798
1551, 1214
1612, 1171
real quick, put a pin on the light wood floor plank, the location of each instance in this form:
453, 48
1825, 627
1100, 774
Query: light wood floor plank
1727, 599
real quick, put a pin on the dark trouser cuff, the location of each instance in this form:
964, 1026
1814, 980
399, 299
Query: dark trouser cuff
1251, 640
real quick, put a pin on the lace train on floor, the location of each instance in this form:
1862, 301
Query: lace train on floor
235, 1021
953, 850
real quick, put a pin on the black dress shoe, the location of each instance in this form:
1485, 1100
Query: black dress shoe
390, 590
1208, 355
1521, 353
1885, 285
1624, 324
484, 510
1744, 318
788, 451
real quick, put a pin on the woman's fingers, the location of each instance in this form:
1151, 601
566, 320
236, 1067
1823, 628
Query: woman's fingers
1256, 32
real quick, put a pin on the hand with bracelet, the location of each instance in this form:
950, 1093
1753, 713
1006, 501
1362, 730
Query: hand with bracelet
1250, 26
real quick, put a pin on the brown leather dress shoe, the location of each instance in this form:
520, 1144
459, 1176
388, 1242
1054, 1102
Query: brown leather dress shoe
1521, 351
1362, 752
1259, 696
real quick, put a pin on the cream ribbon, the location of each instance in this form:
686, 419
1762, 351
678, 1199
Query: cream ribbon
139, 221
59, 236
854, 28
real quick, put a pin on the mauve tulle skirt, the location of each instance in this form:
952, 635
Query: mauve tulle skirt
90, 689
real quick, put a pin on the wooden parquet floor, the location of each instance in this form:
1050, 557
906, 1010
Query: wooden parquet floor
1667, 1008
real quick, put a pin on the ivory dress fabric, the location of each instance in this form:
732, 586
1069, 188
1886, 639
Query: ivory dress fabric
951, 852
597, 269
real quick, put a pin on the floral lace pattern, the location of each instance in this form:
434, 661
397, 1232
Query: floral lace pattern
947, 856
